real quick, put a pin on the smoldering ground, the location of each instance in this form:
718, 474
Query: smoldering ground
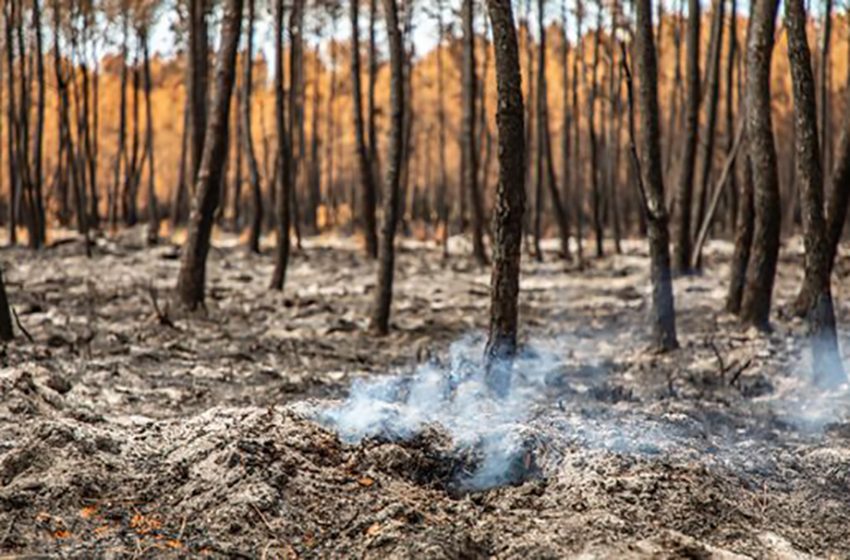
119, 434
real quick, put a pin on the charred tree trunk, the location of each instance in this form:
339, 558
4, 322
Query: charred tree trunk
566, 124
198, 78
761, 270
283, 161
706, 148
593, 140
367, 175
510, 200
314, 180
470, 154
684, 199
374, 157
577, 173
116, 190
190, 283
38, 217
824, 79
14, 176
153, 213
826, 358
544, 140
380, 321
7, 333
652, 185
443, 188
295, 112
247, 130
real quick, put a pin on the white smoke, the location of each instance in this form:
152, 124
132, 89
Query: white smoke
455, 397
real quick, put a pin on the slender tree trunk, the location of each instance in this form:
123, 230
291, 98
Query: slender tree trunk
7, 333
380, 321
367, 175
198, 78
510, 200
761, 271
247, 130
578, 175
314, 187
470, 154
374, 157
284, 158
190, 283
544, 139
652, 184
122, 124
295, 113
826, 357
731, 53
443, 188
824, 79
593, 141
566, 124
38, 174
14, 176
153, 214
706, 147
684, 199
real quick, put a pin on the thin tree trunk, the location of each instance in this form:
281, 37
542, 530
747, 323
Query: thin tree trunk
190, 283
247, 130
510, 201
14, 176
380, 320
198, 82
7, 333
284, 157
178, 199
566, 124
577, 173
684, 199
367, 175
761, 270
706, 147
38, 178
470, 154
823, 104
544, 139
593, 141
122, 124
374, 154
153, 214
443, 188
652, 184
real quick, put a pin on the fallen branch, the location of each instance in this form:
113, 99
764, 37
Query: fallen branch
21, 326
718, 190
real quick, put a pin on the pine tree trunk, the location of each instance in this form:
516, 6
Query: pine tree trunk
380, 320
198, 83
367, 175
510, 200
470, 154
826, 358
663, 312
7, 333
191, 281
153, 213
684, 198
247, 130
284, 157
761, 270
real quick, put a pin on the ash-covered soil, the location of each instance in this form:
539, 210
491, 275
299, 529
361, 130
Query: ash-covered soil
128, 429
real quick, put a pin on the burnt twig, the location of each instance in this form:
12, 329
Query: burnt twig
21, 327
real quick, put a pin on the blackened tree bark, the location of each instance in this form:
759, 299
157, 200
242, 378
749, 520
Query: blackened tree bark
247, 130
443, 187
663, 312
367, 176
178, 198
826, 358
510, 200
371, 111
198, 79
577, 172
153, 212
593, 140
190, 283
824, 113
14, 172
712, 86
7, 333
37, 201
684, 198
283, 160
546, 170
380, 320
470, 154
566, 123
115, 191
295, 112
761, 270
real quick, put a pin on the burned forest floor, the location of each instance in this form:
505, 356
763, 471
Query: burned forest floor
274, 425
